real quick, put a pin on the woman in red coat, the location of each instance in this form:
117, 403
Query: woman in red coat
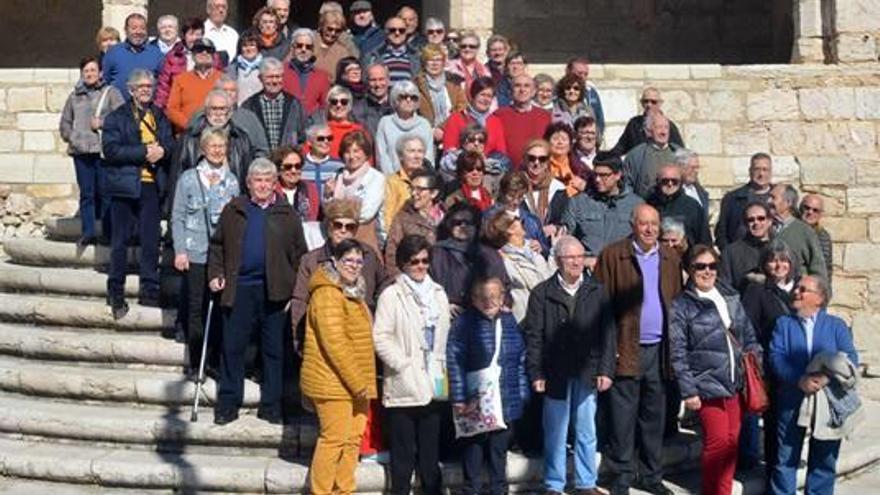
482, 93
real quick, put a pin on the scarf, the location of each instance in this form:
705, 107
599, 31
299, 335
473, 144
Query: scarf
269, 41
303, 67
439, 97
357, 291
297, 197
478, 196
210, 175
479, 117
246, 66
350, 180
543, 189
423, 292
561, 169
405, 125
525, 251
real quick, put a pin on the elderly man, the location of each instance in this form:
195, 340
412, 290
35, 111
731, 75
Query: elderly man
282, 8
797, 340
132, 54
580, 67
636, 132
642, 277
414, 37
301, 78
253, 257
571, 342
242, 117
368, 36
741, 260
601, 215
319, 167
401, 59
136, 142
670, 200
376, 104
812, 209
799, 236
189, 89
689, 163
523, 121
642, 162
224, 37
168, 27
281, 115
730, 226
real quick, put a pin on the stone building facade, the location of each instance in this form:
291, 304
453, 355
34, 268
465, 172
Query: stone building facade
820, 122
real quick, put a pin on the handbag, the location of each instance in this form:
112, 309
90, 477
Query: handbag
484, 387
754, 393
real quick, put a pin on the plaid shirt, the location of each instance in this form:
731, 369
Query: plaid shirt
273, 114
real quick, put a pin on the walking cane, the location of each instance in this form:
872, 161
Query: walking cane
201, 377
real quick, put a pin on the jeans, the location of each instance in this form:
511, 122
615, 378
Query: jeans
821, 463
721, 422
579, 410
92, 202
251, 310
750, 439
415, 442
492, 445
143, 214
335, 460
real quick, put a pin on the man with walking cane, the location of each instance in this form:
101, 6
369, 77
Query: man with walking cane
253, 259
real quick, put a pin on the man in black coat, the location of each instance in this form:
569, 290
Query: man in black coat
137, 142
636, 133
730, 226
281, 115
671, 201
571, 344
741, 260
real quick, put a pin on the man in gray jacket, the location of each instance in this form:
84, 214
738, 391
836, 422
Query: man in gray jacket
799, 236
642, 162
601, 214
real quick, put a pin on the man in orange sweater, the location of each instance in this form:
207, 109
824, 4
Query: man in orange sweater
189, 89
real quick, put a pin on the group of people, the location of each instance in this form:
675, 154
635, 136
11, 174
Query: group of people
386, 217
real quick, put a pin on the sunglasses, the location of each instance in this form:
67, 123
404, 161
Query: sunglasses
669, 182
573, 88
203, 49
474, 169
462, 222
757, 219
468, 46
395, 30
806, 209
323, 139
419, 261
292, 166
651, 101
801, 288
333, 30
434, 31
537, 159
477, 140
350, 227
409, 98
303, 46
698, 267
338, 101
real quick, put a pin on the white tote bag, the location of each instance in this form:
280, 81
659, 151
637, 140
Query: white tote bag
483, 385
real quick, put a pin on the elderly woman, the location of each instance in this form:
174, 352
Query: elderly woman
360, 180
440, 96
511, 199
199, 197
709, 332
421, 214
481, 332
81, 120
672, 234
404, 121
479, 110
569, 103
350, 75
301, 77
470, 168
267, 25
330, 49
467, 66
105, 38
245, 68
411, 150
302, 196
575, 177
337, 116
497, 50
545, 87
435, 34
339, 368
525, 265
410, 331
546, 198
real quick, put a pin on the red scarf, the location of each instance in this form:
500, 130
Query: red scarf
483, 203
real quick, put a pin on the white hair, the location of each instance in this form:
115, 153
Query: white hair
405, 139
672, 225
269, 3
564, 242
401, 88
139, 75
434, 23
683, 156
261, 166
218, 93
302, 32
168, 17
270, 63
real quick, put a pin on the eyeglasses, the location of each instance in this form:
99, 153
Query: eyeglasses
350, 227
218, 109
476, 140
412, 98
652, 101
324, 139
667, 181
338, 102
419, 261
395, 30
291, 166
303, 46
434, 31
203, 49
537, 158
759, 218
698, 267
603, 175
803, 288
468, 46
352, 261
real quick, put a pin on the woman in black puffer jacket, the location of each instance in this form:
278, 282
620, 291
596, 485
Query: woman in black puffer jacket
709, 331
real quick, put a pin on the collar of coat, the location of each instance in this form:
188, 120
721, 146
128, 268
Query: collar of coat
556, 292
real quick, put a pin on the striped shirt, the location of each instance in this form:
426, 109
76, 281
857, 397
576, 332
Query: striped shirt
398, 63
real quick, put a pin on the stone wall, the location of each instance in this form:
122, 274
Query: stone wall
820, 123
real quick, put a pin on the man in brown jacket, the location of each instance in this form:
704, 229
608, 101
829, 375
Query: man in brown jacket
642, 277
253, 257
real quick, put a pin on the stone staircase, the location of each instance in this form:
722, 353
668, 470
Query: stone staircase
93, 405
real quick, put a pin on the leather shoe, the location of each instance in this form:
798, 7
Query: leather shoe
119, 308
656, 488
222, 417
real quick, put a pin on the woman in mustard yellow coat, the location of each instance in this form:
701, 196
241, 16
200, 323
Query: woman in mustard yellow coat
339, 368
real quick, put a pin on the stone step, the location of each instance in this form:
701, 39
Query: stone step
90, 313
169, 427
70, 228
23, 486
41, 252
84, 382
89, 345
74, 281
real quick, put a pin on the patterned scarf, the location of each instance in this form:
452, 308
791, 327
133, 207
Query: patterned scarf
479, 117
245, 66
542, 186
439, 97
